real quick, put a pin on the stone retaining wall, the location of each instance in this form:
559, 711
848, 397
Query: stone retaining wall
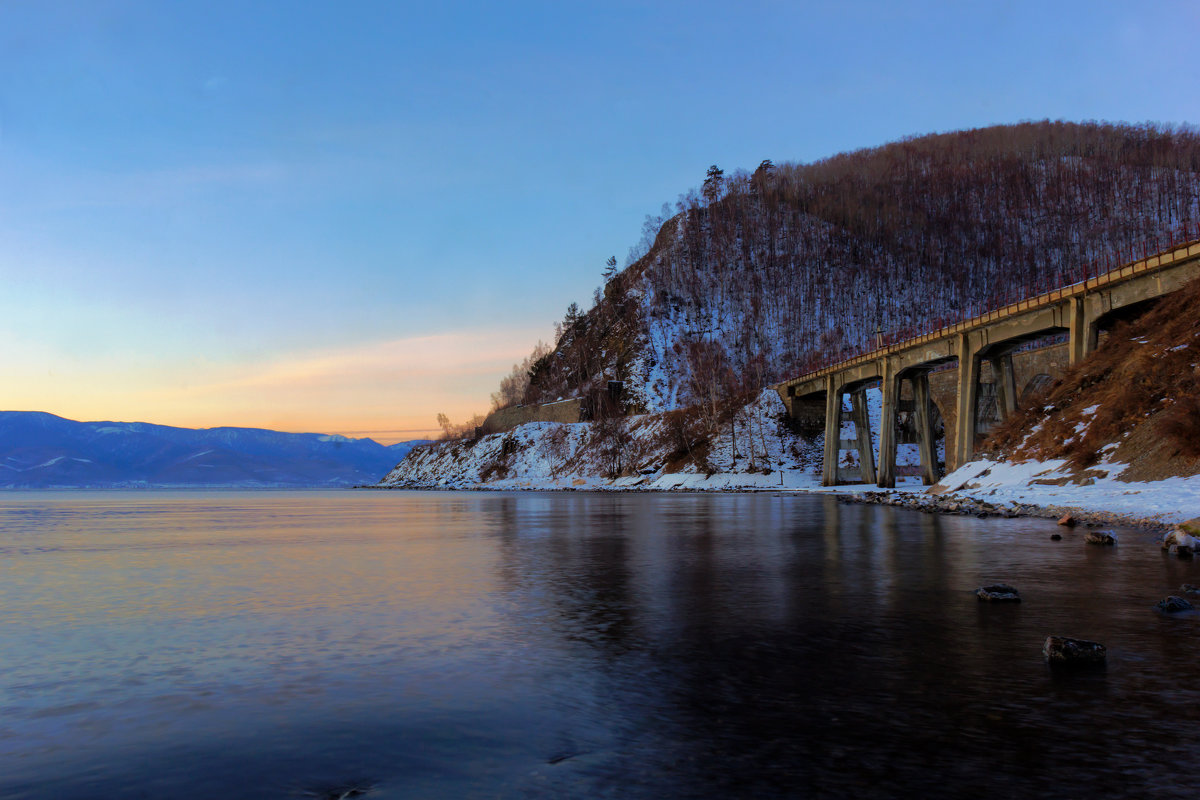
1027, 365
508, 418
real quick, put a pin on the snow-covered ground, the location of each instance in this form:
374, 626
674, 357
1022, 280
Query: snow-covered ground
756, 451
768, 456
1037, 483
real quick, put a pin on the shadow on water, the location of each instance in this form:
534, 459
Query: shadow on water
582, 645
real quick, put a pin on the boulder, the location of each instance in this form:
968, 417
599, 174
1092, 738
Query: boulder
1067, 520
998, 593
1182, 550
1190, 526
1064, 651
1100, 537
1179, 537
1173, 605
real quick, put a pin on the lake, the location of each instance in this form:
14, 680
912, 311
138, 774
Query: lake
294, 644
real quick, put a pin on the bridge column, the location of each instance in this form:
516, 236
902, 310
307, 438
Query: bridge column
862, 434
1084, 333
923, 409
833, 433
1006, 384
890, 386
968, 393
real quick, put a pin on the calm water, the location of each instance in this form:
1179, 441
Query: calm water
295, 644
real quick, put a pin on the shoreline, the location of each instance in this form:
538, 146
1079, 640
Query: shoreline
949, 503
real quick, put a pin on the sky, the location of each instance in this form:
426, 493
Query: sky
348, 217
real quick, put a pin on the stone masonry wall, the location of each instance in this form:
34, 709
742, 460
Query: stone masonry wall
1027, 364
508, 418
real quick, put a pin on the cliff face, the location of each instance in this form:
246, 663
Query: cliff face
761, 275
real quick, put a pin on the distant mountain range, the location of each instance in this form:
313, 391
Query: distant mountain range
39, 450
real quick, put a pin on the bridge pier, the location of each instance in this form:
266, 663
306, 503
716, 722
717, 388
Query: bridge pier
892, 383
1006, 383
862, 434
833, 432
923, 409
968, 398
890, 388
1083, 329
861, 418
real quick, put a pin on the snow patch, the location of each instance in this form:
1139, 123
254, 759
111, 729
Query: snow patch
1098, 489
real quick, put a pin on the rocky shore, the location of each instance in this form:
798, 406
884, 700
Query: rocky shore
951, 503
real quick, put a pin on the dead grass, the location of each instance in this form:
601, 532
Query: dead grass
1181, 425
1146, 371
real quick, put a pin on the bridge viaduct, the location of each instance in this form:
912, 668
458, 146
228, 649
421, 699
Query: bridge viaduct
1081, 310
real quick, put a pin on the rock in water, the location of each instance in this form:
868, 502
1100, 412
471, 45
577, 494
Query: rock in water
1188, 588
1061, 650
1173, 605
1179, 538
1067, 520
998, 593
1190, 526
1182, 550
1056, 537
1100, 537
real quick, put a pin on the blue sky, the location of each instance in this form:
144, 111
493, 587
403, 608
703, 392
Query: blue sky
347, 217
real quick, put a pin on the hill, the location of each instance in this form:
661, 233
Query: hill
39, 450
757, 276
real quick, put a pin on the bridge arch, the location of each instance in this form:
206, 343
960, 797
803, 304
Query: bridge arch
989, 341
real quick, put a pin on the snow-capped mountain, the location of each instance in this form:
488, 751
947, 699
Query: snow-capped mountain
39, 450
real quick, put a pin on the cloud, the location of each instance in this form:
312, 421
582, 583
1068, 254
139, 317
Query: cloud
392, 389
446, 355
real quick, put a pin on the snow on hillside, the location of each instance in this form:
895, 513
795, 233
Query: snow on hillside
549, 455
750, 452
1055, 483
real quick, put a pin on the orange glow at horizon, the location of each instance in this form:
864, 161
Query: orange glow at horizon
389, 391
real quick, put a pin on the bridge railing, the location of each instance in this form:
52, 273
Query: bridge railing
1035, 292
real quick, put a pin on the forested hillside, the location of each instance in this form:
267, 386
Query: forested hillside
757, 276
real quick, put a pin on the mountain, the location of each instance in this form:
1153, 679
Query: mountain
39, 450
758, 276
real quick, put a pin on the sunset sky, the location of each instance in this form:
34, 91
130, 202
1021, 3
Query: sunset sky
346, 217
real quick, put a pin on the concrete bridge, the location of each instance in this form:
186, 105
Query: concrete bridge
1080, 311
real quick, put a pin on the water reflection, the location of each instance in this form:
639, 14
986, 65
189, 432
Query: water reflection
576, 645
